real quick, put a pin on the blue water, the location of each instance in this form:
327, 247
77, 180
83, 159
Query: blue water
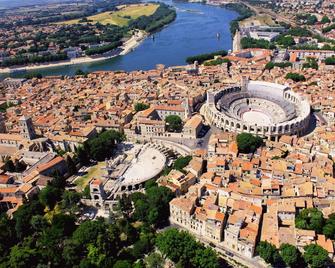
193, 32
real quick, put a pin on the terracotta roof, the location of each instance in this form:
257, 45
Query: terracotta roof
50, 164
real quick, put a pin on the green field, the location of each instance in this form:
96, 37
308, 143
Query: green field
258, 20
121, 17
94, 172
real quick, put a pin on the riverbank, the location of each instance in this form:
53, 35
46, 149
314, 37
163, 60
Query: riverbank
127, 47
191, 33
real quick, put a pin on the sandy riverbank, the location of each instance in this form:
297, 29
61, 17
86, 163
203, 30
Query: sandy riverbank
127, 47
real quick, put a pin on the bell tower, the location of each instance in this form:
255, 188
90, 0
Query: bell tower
27, 128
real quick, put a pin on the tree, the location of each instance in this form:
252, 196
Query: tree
154, 260
330, 61
86, 193
315, 256
150, 183
72, 252
141, 106
182, 162
325, 19
82, 155
88, 231
21, 255
248, 42
20, 166
182, 248
95, 256
204, 57
268, 252
270, 65
285, 41
141, 209
23, 216
49, 196
122, 264
63, 224
247, 143
71, 166
311, 19
173, 123
141, 247
310, 219
205, 258
39, 223
7, 234
102, 146
70, 199
153, 216
296, 77
329, 227
128, 230
170, 244
9, 166
310, 63
290, 255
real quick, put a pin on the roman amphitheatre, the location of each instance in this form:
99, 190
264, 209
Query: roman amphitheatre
261, 108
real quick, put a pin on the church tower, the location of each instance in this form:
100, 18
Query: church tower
27, 128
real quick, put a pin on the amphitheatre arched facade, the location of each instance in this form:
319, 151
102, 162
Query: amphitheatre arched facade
257, 107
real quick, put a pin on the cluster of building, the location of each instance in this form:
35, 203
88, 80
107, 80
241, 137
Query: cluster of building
237, 200
224, 197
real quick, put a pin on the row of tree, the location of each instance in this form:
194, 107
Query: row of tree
296, 77
248, 42
270, 65
289, 256
102, 49
204, 57
185, 251
162, 16
217, 61
31, 59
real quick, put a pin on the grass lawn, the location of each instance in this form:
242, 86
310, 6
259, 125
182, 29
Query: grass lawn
94, 172
258, 20
120, 17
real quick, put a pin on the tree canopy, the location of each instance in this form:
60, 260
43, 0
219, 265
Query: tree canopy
329, 227
204, 57
180, 246
315, 256
173, 123
268, 252
290, 255
310, 219
100, 147
139, 106
247, 143
296, 77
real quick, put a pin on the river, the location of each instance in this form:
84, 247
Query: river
193, 32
